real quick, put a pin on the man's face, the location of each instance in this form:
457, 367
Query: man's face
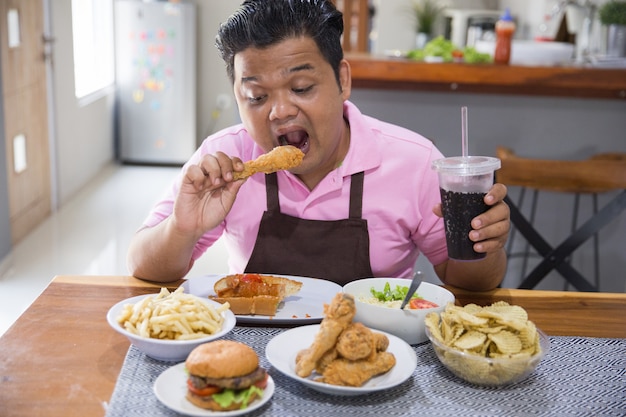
288, 94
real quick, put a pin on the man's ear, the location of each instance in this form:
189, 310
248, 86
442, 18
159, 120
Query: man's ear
345, 79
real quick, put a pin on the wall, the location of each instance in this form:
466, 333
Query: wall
213, 84
5, 224
84, 130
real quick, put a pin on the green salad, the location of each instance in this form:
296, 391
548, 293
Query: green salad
387, 294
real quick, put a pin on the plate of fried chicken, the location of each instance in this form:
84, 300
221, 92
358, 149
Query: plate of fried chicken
342, 357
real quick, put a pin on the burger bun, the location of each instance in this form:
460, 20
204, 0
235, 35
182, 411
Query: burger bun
222, 359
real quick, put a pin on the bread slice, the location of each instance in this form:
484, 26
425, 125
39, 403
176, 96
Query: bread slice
265, 305
254, 293
237, 285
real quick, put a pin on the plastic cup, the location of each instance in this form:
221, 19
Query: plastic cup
463, 184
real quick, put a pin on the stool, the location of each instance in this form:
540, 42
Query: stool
601, 173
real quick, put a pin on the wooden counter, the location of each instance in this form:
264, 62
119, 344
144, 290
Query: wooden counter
61, 358
403, 74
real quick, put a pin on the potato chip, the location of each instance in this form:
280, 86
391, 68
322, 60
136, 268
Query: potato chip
471, 340
506, 342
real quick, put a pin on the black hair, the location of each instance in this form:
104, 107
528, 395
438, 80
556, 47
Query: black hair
263, 23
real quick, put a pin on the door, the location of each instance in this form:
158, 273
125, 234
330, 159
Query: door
26, 114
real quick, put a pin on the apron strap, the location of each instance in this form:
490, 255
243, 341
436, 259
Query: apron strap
271, 190
356, 194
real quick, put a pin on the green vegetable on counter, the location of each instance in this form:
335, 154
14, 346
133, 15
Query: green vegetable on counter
472, 56
441, 47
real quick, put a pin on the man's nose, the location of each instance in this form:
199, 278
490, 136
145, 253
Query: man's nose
283, 107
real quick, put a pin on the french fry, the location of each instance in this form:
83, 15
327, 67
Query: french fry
172, 315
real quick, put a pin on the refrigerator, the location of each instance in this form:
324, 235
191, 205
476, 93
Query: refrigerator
155, 69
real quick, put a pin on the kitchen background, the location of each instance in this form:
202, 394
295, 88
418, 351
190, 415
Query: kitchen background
82, 133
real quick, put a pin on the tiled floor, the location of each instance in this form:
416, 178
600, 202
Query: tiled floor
89, 235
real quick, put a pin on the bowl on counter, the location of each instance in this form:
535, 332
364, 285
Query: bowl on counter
532, 53
406, 324
483, 370
167, 349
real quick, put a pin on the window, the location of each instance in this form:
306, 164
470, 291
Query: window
92, 29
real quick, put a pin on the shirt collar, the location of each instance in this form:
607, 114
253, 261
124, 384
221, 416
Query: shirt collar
364, 152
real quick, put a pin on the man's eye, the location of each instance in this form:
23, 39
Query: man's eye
303, 90
256, 100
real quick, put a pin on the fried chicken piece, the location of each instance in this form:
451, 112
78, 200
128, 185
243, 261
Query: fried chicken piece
356, 373
380, 341
337, 316
281, 157
325, 360
356, 342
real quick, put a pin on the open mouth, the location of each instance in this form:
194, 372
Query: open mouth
298, 138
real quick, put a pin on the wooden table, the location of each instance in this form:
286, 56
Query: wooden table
61, 358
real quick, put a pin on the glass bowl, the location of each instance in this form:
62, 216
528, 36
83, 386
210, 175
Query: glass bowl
482, 370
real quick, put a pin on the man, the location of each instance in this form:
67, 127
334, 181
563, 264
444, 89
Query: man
364, 201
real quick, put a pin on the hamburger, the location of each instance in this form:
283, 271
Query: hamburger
224, 375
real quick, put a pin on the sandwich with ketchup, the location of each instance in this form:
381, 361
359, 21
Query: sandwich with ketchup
224, 375
250, 294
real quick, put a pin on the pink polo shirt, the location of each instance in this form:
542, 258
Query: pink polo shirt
399, 192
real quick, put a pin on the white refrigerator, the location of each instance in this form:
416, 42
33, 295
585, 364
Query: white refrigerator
155, 61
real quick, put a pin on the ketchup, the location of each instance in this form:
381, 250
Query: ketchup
505, 27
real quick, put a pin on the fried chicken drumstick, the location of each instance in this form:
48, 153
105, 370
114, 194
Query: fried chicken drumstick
338, 316
279, 158
343, 352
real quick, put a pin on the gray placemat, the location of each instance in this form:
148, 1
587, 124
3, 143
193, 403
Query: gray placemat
579, 376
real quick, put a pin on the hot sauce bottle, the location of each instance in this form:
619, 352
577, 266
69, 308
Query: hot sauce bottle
505, 27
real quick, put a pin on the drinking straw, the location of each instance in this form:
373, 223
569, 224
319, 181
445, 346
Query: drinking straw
464, 144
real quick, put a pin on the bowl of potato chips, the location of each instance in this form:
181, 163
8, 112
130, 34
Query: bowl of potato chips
493, 345
378, 301
167, 326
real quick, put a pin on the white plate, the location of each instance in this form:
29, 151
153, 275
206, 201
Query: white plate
281, 352
171, 388
305, 307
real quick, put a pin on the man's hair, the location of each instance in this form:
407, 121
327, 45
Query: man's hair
263, 23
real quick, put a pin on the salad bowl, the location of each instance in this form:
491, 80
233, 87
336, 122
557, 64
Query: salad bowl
407, 324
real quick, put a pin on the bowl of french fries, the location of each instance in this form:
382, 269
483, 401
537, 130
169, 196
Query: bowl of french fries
167, 326
493, 345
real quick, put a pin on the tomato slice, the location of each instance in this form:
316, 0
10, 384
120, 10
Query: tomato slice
204, 392
420, 303
262, 383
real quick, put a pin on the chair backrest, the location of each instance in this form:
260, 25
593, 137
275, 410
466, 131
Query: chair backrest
600, 173
356, 24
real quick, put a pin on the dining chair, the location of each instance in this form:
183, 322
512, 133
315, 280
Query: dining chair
600, 174
356, 24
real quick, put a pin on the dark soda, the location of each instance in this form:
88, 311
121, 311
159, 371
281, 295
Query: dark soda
458, 211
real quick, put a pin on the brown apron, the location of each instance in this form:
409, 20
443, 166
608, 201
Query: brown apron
336, 250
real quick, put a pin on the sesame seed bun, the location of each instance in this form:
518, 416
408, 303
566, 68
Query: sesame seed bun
222, 359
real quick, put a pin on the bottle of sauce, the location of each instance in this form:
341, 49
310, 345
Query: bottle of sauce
505, 27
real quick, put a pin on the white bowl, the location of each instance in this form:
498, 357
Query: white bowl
533, 53
406, 324
167, 350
